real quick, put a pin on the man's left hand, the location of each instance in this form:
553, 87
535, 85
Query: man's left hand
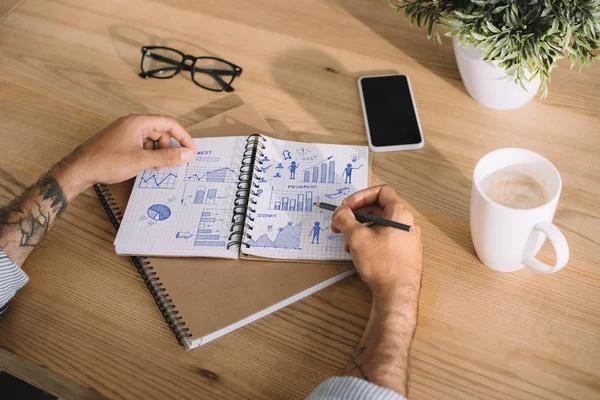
122, 150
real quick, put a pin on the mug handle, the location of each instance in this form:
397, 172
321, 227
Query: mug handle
561, 249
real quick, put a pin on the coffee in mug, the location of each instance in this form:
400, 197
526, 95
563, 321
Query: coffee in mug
513, 199
511, 187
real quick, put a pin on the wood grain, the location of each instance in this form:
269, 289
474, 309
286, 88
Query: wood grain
70, 67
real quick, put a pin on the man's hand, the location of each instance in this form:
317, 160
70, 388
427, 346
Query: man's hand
386, 258
389, 261
122, 150
118, 152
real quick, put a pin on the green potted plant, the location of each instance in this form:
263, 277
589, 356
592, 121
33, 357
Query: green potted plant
506, 49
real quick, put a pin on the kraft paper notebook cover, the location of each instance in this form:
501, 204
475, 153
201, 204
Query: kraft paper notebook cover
202, 299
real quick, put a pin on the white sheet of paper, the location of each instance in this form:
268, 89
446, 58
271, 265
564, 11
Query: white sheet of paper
293, 176
185, 210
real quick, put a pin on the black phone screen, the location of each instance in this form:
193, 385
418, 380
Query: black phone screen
391, 116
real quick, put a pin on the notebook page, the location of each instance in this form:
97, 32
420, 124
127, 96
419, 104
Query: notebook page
185, 210
292, 176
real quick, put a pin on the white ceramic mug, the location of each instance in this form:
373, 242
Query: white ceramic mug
506, 239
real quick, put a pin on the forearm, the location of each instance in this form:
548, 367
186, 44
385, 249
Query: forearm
382, 354
26, 219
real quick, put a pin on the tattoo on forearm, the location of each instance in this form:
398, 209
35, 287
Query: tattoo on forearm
26, 219
357, 353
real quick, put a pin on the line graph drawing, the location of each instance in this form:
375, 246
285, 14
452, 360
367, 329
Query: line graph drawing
159, 212
285, 200
288, 237
200, 174
209, 229
323, 171
155, 179
342, 192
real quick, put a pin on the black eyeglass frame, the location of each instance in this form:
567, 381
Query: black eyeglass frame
216, 74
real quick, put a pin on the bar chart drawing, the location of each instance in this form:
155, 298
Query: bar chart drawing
154, 179
283, 200
204, 196
208, 233
322, 172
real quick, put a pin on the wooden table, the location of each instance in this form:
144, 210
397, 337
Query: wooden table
85, 324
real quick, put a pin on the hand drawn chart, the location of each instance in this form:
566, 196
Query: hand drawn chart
155, 179
203, 174
159, 212
321, 172
286, 200
211, 231
288, 237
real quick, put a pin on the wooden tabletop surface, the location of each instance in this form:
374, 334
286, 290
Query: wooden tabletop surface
85, 325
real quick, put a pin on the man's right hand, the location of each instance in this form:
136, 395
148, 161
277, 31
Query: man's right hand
389, 261
386, 258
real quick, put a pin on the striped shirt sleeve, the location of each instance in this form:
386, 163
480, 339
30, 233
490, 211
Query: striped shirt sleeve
12, 278
352, 388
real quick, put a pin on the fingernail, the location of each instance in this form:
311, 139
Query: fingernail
187, 155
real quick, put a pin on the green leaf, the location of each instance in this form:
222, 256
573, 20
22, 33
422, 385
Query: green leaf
512, 55
478, 36
491, 27
554, 28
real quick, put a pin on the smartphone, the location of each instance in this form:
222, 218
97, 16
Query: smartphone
390, 113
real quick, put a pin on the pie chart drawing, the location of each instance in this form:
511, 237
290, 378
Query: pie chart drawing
159, 212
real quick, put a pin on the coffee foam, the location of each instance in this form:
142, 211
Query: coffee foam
511, 187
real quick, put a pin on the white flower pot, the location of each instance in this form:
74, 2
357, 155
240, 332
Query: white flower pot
488, 84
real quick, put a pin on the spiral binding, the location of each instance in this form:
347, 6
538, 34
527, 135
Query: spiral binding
247, 190
145, 269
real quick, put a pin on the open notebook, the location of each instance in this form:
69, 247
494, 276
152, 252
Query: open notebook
203, 299
244, 196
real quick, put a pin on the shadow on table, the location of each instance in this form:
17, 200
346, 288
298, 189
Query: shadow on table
379, 17
317, 82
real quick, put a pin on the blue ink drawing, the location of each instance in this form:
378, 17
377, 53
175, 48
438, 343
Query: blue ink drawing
355, 157
266, 158
208, 233
262, 179
279, 166
265, 169
285, 200
288, 237
323, 172
197, 174
153, 179
343, 192
348, 172
204, 196
259, 192
277, 175
286, 155
293, 167
184, 235
159, 212
302, 151
316, 231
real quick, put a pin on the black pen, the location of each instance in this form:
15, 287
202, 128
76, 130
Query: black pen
363, 217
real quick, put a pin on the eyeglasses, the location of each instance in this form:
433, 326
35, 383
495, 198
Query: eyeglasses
207, 72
